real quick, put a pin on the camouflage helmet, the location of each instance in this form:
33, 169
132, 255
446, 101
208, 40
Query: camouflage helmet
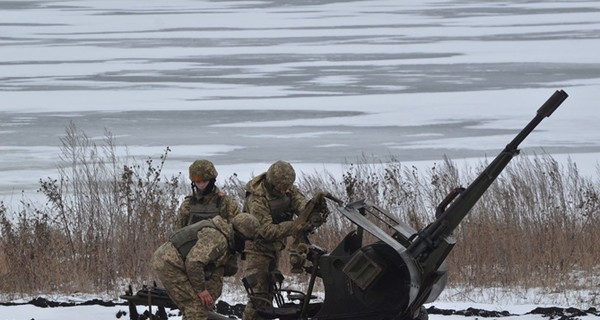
246, 224
202, 170
281, 175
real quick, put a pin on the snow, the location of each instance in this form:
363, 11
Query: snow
54, 51
521, 311
87, 312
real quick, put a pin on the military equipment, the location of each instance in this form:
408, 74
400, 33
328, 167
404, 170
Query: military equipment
148, 296
158, 297
202, 170
393, 277
246, 224
281, 175
314, 215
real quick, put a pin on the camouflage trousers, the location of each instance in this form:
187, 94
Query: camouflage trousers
260, 265
170, 269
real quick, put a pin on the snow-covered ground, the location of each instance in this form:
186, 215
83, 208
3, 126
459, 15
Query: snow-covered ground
317, 83
507, 308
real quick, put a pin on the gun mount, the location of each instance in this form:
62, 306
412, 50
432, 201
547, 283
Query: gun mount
395, 276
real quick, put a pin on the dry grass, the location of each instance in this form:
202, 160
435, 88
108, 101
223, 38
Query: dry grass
102, 220
535, 226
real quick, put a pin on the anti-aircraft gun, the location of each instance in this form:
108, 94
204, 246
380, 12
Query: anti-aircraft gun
393, 277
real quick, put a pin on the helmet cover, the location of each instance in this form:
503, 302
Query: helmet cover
246, 224
202, 170
281, 175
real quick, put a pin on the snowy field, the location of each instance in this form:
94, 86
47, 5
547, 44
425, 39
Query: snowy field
437, 311
317, 83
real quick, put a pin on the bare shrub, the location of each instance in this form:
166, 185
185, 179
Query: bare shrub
235, 188
102, 220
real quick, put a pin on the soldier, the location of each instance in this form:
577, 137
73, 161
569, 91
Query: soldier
273, 200
190, 265
206, 200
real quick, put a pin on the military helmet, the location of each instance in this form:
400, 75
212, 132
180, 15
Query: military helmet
281, 175
246, 224
202, 170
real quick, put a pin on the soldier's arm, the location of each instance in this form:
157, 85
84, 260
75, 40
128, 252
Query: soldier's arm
259, 207
210, 248
183, 214
299, 201
229, 209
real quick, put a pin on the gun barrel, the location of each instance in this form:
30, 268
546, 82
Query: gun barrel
553, 103
448, 219
543, 112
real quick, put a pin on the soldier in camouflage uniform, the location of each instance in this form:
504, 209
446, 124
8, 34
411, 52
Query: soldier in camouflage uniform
206, 200
190, 265
273, 199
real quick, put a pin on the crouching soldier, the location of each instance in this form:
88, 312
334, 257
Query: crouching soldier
191, 264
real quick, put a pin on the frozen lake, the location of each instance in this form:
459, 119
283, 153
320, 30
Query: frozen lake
245, 83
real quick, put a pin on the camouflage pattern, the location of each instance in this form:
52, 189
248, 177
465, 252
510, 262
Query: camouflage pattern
203, 169
271, 236
246, 224
228, 208
281, 175
183, 279
262, 266
270, 239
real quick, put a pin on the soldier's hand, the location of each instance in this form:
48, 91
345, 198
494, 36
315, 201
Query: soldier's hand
300, 226
316, 220
206, 298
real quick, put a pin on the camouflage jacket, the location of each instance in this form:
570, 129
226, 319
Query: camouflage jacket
213, 248
271, 236
225, 205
